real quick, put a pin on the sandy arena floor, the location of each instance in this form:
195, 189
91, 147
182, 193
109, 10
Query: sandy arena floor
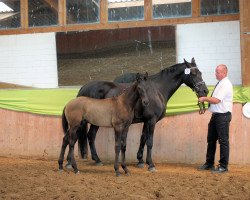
40, 179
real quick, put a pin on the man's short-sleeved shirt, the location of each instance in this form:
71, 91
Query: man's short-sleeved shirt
223, 92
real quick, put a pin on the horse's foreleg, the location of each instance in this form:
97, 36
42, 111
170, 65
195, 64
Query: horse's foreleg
72, 141
141, 147
117, 151
91, 137
150, 134
123, 148
64, 145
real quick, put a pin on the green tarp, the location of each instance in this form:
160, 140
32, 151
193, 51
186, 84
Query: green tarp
52, 101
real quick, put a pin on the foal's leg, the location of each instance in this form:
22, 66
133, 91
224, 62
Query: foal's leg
91, 137
123, 148
72, 141
118, 134
82, 143
142, 144
64, 145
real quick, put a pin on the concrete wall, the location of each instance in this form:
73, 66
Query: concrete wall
211, 44
29, 59
177, 139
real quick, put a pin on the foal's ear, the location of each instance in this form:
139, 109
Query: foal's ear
137, 77
146, 76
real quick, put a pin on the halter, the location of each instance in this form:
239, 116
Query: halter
195, 85
196, 89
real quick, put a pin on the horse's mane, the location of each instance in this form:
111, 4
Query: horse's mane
167, 70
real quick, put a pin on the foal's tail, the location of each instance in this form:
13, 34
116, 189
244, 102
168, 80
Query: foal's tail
82, 139
65, 125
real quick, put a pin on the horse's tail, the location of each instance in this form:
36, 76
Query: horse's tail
65, 125
82, 139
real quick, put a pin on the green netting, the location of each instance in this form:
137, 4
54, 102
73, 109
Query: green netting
52, 101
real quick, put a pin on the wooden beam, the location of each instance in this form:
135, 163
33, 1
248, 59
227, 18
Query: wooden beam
62, 12
196, 8
148, 10
24, 14
116, 25
245, 41
103, 11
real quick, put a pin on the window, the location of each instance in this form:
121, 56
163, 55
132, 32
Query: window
43, 13
9, 14
86, 11
219, 7
171, 8
125, 10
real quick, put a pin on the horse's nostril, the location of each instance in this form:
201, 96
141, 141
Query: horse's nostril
145, 103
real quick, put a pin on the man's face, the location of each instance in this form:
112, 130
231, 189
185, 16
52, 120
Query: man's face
219, 73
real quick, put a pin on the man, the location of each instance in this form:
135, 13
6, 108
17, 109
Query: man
220, 105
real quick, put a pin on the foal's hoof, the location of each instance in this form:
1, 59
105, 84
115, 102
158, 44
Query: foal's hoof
127, 174
60, 170
77, 172
152, 169
99, 164
118, 174
140, 165
85, 156
68, 166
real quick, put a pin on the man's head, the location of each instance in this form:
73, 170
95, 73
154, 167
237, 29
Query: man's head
221, 72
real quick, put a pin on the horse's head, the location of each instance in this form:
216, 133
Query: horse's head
142, 88
193, 79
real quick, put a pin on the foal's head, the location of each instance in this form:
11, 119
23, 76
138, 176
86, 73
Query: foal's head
142, 88
193, 78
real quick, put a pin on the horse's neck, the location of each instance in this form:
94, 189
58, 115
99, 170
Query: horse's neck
170, 80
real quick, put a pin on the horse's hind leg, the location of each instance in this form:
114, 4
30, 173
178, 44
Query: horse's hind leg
142, 144
117, 151
91, 137
64, 145
123, 148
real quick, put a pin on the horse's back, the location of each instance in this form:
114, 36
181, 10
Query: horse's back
126, 78
96, 89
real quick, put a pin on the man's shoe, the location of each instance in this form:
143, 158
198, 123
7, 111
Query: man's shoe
220, 170
206, 167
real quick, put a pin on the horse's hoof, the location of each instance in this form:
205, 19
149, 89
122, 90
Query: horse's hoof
77, 172
152, 169
60, 170
68, 166
99, 164
140, 165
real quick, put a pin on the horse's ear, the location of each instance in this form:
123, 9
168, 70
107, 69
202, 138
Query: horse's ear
186, 62
193, 61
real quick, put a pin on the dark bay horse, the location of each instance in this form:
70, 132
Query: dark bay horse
116, 112
161, 87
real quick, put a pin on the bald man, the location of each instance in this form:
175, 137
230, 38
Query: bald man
220, 105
